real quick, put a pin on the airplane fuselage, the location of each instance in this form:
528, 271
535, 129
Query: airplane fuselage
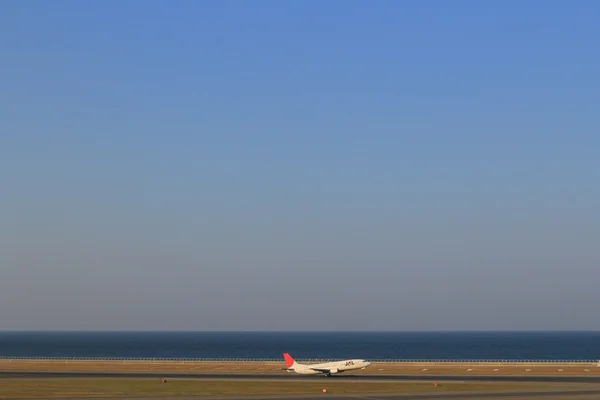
327, 368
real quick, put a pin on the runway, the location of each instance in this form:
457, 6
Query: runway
515, 395
558, 393
275, 377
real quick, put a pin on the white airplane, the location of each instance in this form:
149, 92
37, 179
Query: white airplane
328, 368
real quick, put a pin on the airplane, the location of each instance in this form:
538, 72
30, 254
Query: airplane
328, 368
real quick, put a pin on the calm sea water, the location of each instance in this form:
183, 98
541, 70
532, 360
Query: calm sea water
374, 346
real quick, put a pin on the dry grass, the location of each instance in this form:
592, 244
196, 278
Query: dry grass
126, 387
417, 369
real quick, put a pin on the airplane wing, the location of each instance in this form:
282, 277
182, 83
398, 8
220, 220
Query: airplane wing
321, 369
326, 370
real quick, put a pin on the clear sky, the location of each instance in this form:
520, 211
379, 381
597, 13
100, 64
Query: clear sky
359, 165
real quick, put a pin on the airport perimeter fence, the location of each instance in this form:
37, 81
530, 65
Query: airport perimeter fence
278, 360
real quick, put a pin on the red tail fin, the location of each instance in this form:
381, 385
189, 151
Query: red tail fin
288, 360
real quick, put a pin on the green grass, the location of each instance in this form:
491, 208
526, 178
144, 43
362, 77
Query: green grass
124, 387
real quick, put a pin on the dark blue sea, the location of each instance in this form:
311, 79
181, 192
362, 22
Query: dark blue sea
306, 346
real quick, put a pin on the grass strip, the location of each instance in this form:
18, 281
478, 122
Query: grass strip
124, 387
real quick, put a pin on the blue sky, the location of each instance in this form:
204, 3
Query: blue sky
299, 165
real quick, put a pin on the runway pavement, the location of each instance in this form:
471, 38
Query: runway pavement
291, 376
558, 393
514, 395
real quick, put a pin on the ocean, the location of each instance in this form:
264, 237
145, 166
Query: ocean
575, 346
